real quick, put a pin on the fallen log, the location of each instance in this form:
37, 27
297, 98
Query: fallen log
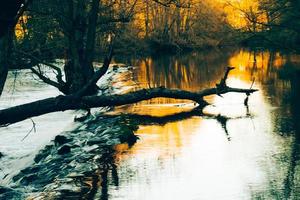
73, 102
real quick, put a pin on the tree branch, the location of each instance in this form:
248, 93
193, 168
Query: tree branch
57, 69
48, 80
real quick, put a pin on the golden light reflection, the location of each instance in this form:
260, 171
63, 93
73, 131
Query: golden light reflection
160, 139
169, 134
194, 73
194, 152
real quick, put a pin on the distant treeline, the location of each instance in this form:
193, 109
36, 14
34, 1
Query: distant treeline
148, 26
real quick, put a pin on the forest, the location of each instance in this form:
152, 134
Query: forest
131, 99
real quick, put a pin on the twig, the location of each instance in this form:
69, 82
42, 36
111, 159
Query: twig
252, 83
32, 129
248, 94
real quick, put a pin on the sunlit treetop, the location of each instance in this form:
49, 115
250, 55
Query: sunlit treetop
242, 13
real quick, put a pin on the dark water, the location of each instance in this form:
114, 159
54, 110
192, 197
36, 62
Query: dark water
245, 153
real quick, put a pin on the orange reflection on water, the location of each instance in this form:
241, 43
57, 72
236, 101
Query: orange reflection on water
172, 160
196, 71
258, 65
161, 139
193, 75
164, 136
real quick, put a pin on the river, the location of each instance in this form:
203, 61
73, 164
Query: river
252, 154
232, 152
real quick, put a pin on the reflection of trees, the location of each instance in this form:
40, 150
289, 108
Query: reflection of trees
282, 85
290, 106
101, 177
289, 188
191, 71
99, 184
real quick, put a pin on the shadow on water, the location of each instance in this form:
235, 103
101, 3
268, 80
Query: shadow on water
176, 117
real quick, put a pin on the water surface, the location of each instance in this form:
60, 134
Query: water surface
244, 153
232, 152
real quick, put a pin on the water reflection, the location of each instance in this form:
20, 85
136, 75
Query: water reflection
100, 181
183, 155
292, 179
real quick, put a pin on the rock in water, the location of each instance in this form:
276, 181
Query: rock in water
60, 140
64, 150
115, 67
